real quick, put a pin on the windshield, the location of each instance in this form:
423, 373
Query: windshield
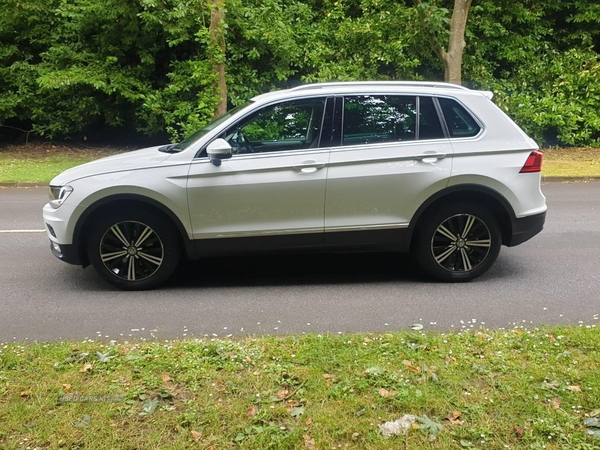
211, 126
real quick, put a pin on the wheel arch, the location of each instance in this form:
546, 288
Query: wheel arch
481, 195
122, 202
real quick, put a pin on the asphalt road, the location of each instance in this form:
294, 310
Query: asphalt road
552, 279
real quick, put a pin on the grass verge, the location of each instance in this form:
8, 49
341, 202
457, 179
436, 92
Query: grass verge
521, 388
572, 163
40, 163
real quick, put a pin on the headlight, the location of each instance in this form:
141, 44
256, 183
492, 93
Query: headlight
58, 194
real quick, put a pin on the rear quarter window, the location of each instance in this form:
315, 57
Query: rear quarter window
460, 122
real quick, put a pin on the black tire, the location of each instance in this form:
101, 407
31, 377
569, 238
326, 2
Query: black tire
457, 242
133, 250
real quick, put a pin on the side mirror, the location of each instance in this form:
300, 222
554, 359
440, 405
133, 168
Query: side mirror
218, 150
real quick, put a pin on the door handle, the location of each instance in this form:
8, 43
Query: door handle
309, 166
430, 157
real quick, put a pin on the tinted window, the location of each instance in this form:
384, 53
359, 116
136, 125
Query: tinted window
429, 120
291, 125
460, 122
379, 118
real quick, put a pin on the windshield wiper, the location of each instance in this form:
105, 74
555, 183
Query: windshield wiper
171, 148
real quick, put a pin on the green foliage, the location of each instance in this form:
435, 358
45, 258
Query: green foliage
557, 98
69, 66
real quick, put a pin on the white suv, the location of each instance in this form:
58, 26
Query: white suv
432, 168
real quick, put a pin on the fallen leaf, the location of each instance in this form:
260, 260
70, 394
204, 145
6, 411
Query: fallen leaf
297, 411
309, 442
410, 366
308, 421
103, 357
24, 394
552, 339
454, 418
283, 393
149, 407
166, 378
450, 359
86, 367
248, 359
519, 431
425, 423
553, 385
85, 421
573, 388
595, 413
374, 370
196, 435
385, 393
328, 376
253, 410
555, 403
66, 387
355, 436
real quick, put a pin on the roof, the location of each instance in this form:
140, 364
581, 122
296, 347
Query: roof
416, 87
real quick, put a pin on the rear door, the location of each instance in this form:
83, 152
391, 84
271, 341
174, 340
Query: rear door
392, 153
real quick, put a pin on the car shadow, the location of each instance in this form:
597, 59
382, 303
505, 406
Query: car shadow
282, 270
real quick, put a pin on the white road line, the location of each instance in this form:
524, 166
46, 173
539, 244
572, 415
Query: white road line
22, 231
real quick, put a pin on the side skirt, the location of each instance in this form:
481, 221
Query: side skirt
339, 241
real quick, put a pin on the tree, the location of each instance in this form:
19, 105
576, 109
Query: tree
434, 22
217, 52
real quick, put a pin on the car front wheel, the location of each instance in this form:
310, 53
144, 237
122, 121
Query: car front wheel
458, 242
134, 250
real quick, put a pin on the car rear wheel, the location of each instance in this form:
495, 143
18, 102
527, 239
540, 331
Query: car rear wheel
458, 242
133, 250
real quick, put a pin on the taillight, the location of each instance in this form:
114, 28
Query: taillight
533, 163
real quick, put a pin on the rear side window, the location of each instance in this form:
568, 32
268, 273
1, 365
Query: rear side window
460, 122
369, 119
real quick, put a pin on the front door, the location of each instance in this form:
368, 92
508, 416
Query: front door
272, 191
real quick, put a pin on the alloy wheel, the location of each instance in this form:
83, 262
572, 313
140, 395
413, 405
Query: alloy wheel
131, 250
461, 243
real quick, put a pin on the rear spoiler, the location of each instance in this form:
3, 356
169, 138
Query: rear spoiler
488, 94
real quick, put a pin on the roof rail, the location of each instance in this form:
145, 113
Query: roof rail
433, 84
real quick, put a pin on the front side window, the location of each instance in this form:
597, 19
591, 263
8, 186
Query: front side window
293, 125
370, 119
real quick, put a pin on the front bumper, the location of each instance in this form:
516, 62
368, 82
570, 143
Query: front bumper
66, 252
525, 228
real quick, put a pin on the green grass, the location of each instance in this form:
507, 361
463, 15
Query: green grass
39, 164
572, 163
486, 389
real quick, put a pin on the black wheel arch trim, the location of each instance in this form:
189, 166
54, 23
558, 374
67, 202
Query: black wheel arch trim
189, 247
458, 189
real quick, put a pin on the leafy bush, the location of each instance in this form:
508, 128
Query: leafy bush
69, 66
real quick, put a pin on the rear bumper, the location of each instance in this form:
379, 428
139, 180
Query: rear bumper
526, 227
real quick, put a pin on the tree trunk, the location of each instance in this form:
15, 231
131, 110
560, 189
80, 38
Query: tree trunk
217, 52
453, 57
